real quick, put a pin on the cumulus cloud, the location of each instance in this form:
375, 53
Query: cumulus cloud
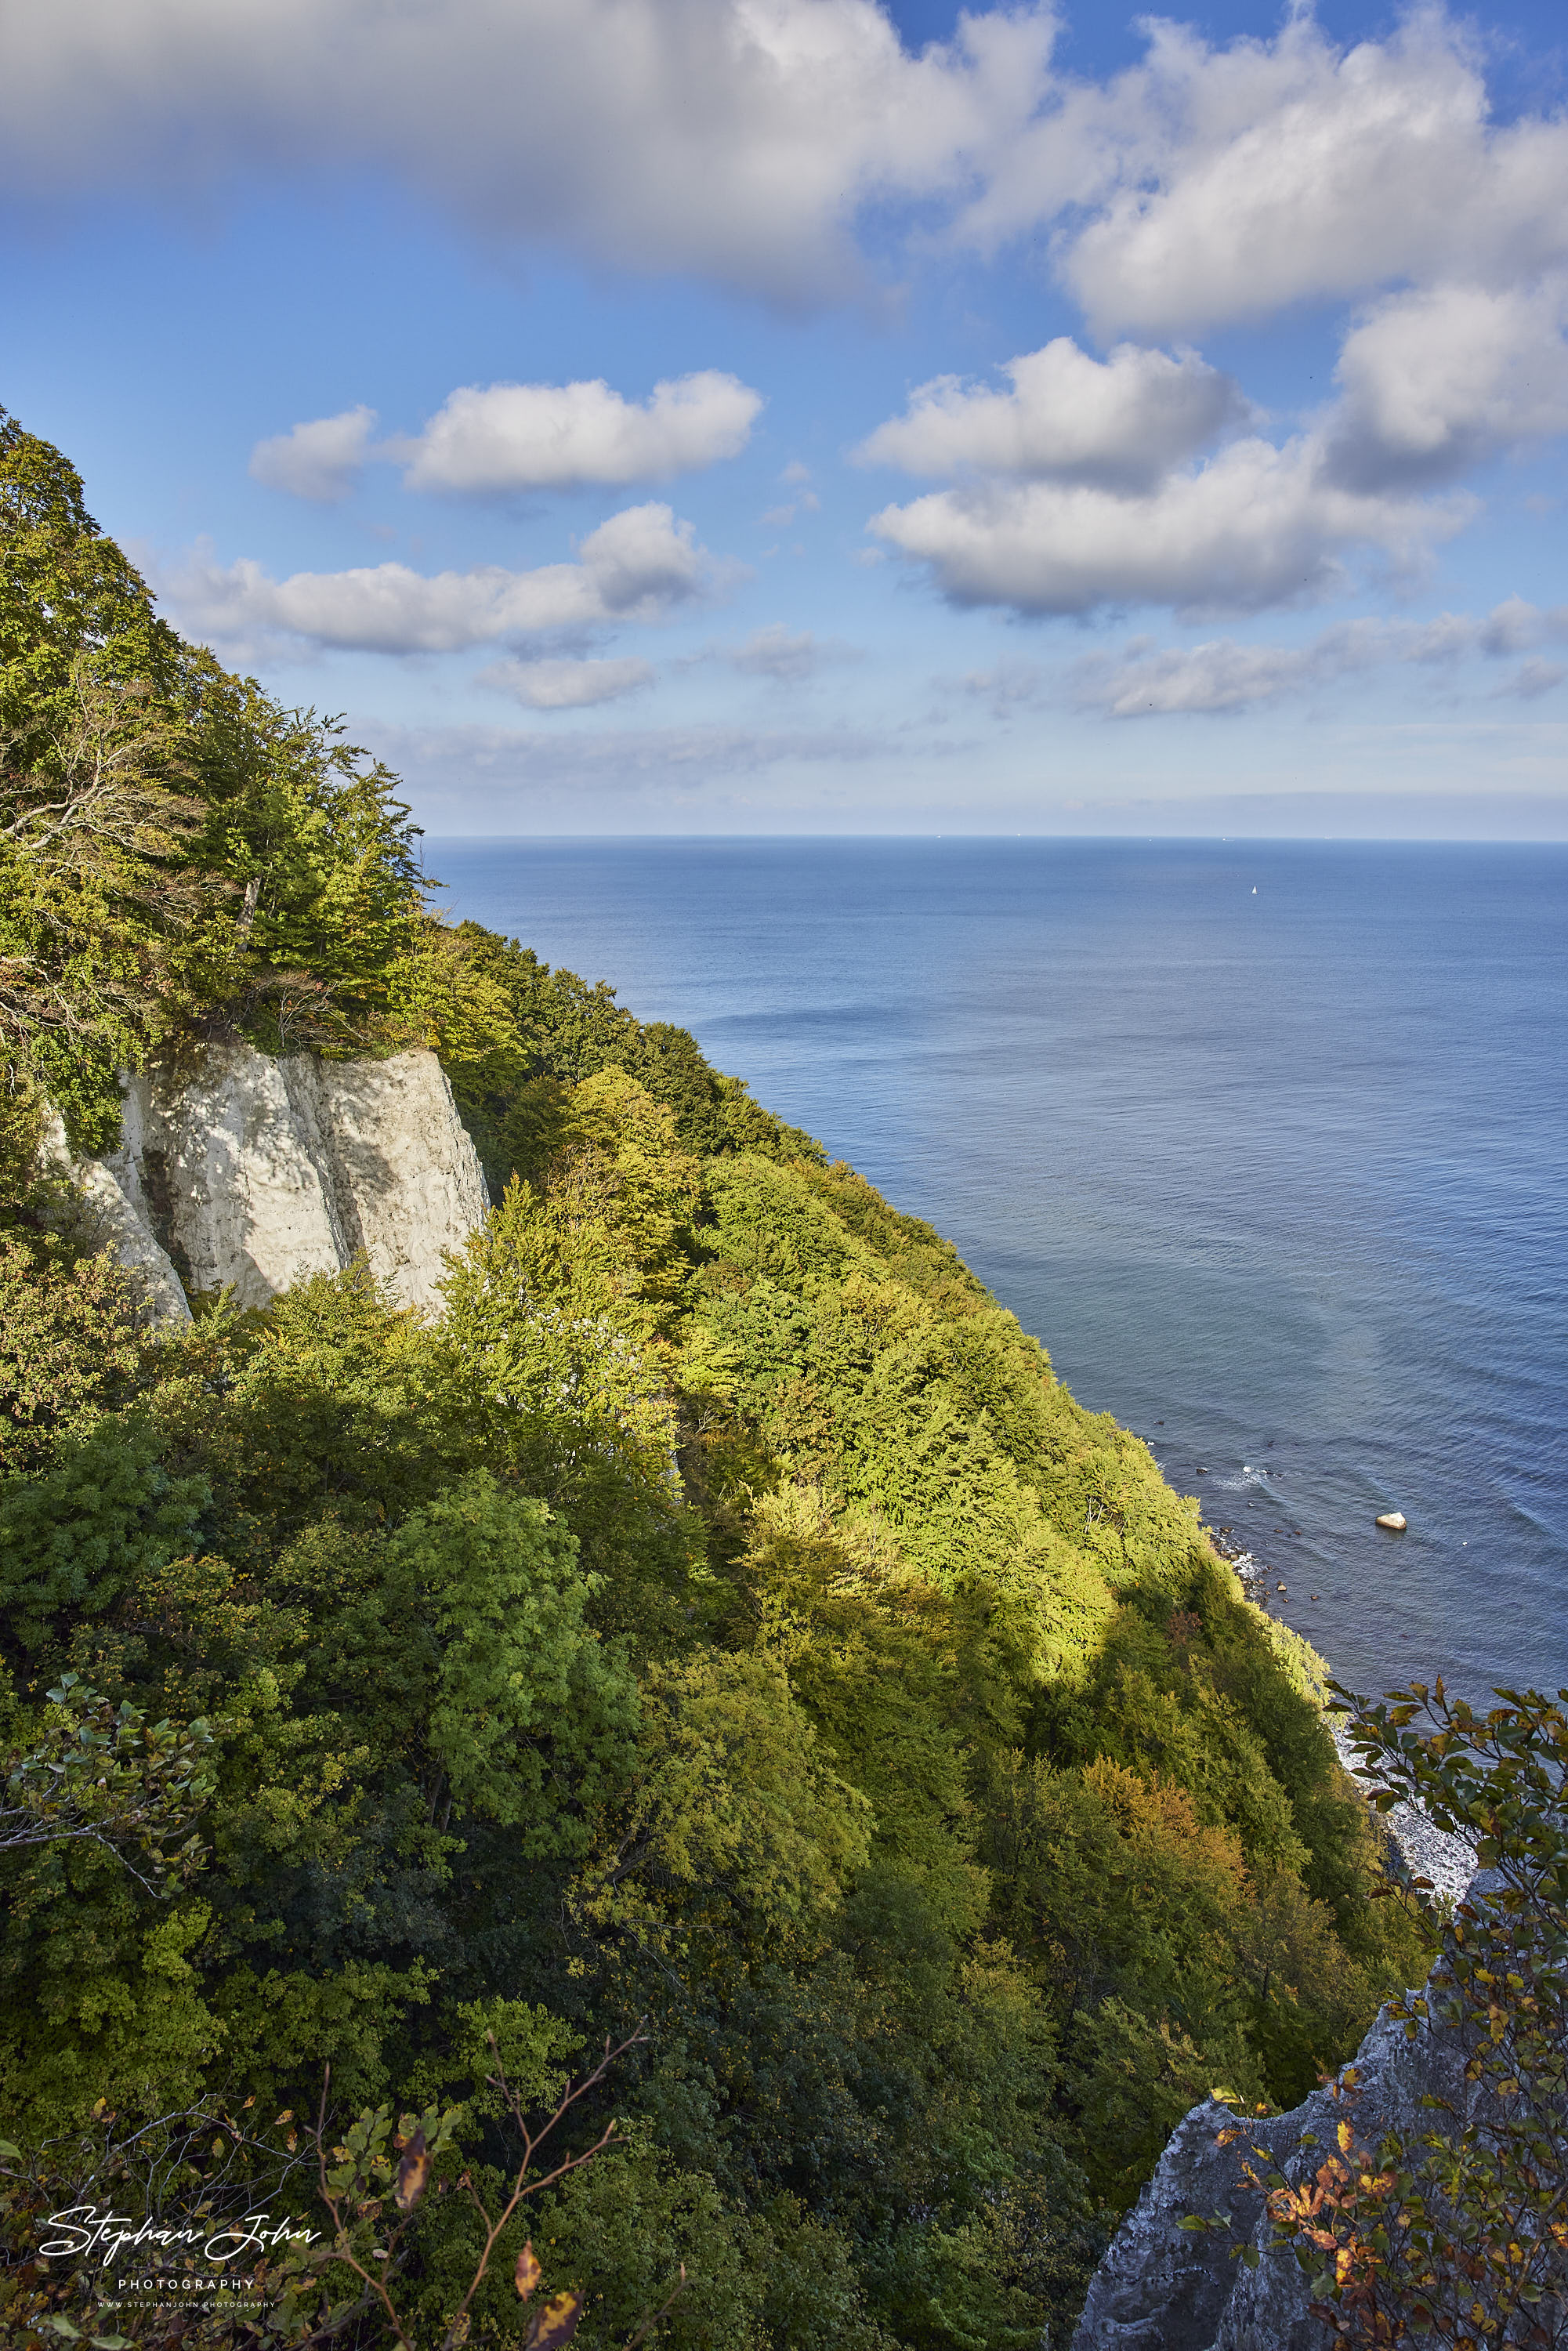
320, 460
638, 566
1146, 680
566, 685
1222, 183
1437, 379
742, 139
1257, 526
734, 138
1123, 421
536, 436
1072, 492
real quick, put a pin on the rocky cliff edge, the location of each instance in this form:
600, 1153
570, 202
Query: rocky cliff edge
1162, 2288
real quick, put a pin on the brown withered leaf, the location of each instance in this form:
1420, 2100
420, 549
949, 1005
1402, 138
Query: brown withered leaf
555, 2323
527, 2271
412, 2174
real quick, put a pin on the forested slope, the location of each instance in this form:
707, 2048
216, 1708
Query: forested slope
718, 1619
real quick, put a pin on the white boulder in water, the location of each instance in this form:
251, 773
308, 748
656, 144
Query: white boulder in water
1393, 1519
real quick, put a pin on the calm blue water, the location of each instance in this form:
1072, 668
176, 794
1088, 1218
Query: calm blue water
1279, 1178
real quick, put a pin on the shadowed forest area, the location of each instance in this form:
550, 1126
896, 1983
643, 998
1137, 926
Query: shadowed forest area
717, 1634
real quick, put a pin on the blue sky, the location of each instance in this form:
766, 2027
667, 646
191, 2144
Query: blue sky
788, 415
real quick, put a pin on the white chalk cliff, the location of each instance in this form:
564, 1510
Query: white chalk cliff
250, 1173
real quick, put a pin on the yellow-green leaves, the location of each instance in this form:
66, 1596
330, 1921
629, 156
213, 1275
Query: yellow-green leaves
734, 1823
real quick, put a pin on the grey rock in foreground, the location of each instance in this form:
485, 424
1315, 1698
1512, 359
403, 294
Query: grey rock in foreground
251, 1172
1161, 2288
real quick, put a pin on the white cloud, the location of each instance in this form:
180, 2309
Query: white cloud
533, 436
734, 138
1437, 379
1535, 678
1516, 626
1007, 687
1123, 421
474, 761
1223, 675
1219, 676
780, 517
1257, 526
742, 139
1225, 184
786, 656
637, 566
566, 685
320, 460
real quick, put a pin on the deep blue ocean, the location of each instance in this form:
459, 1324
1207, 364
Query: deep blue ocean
1267, 1141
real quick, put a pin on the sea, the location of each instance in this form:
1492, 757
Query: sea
1266, 1142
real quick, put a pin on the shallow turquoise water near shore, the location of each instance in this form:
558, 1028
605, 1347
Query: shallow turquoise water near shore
1266, 1141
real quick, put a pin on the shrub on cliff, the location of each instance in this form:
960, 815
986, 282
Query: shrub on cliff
1457, 2234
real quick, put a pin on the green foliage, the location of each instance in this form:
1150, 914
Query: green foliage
77, 1536
104, 1774
514, 1035
530, 1719
716, 1632
959, 1822
70, 1339
734, 1830
310, 890
65, 587
178, 855
95, 824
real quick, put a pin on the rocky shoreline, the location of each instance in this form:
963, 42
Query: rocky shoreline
1420, 1848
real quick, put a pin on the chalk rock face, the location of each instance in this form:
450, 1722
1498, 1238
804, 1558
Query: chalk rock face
1160, 2288
254, 1173
107, 1220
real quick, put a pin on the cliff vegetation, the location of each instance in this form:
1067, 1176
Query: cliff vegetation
717, 1634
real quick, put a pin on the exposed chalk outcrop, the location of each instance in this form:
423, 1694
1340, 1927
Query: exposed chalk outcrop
106, 1220
251, 1172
